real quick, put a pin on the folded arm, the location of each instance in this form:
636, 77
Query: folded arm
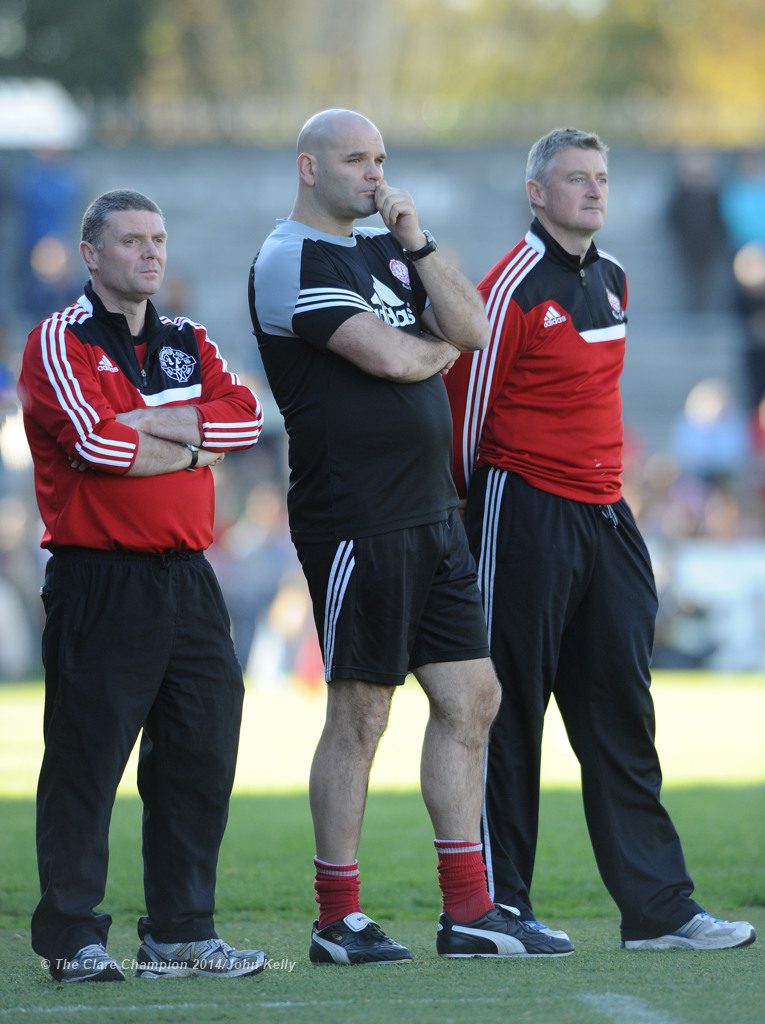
61, 391
456, 312
162, 438
390, 352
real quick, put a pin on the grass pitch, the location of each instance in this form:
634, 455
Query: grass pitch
265, 898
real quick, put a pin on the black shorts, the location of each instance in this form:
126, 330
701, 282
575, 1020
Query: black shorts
385, 605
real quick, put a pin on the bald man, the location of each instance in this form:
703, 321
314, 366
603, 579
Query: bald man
356, 326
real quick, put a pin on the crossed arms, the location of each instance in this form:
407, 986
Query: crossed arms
454, 322
162, 437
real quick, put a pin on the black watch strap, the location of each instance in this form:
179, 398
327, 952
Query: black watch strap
194, 457
429, 247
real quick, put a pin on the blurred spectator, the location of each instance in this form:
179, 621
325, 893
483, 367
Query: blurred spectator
709, 438
709, 444
743, 208
671, 505
8, 401
695, 218
47, 195
743, 201
757, 428
251, 558
19, 584
749, 274
286, 647
684, 634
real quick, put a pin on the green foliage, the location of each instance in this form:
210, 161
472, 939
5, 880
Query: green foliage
445, 70
89, 47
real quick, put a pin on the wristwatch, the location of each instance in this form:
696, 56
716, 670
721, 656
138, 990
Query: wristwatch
194, 457
429, 247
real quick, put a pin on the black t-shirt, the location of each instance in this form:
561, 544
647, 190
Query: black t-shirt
366, 455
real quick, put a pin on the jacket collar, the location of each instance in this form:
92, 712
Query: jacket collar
555, 251
118, 321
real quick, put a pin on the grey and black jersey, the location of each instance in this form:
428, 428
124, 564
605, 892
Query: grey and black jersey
366, 455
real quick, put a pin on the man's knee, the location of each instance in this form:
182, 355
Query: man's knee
486, 693
465, 693
358, 711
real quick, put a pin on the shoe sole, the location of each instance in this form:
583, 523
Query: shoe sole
319, 953
189, 972
503, 956
677, 942
177, 971
108, 974
327, 958
359, 963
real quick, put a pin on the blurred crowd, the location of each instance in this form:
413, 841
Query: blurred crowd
704, 488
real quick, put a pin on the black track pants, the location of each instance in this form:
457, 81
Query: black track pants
570, 603
134, 642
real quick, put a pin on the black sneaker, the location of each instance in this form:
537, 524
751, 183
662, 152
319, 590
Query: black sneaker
355, 939
500, 932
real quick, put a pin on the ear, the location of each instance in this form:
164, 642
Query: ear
306, 164
89, 253
535, 193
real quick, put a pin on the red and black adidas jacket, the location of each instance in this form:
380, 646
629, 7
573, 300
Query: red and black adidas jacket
542, 400
80, 369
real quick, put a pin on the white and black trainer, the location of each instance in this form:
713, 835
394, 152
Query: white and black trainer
499, 933
355, 939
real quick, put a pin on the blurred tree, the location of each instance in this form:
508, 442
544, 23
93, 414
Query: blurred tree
717, 70
93, 48
240, 47
443, 69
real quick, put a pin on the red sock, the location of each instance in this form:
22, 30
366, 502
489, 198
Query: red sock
462, 878
337, 890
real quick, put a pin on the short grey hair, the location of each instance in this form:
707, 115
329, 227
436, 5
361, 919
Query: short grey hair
544, 151
98, 212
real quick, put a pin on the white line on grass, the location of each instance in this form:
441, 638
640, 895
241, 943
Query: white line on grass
257, 1005
617, 1008
626, 1009
156, 1007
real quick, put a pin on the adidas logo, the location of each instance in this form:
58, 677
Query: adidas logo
553, 317
107, 365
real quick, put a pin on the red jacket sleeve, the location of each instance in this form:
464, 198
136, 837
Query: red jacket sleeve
61, 393
230, 414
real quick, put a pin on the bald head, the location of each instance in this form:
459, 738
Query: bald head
323, 129
340, 164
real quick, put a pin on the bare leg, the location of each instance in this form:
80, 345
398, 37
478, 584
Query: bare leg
464, 698
357, 716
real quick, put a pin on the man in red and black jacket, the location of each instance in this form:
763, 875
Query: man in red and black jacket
126, 411
565, 576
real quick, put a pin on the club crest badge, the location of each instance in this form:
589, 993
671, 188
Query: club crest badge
616, 306
401, 271
176, 364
